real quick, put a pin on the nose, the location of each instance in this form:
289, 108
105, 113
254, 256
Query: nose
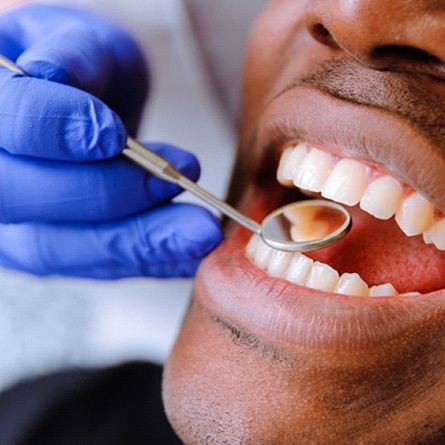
383, 34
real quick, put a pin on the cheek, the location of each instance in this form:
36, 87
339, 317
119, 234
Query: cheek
270, 40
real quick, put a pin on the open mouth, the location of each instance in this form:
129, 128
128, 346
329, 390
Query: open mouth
350, 294
397, 241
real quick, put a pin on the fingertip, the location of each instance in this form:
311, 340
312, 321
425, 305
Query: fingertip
204, 234
95, 131
196, 232
72, 125
43, 69
113, 135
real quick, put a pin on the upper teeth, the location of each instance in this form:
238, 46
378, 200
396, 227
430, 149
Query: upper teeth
350, 182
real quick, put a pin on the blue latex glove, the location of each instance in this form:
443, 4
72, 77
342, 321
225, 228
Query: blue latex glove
68, 205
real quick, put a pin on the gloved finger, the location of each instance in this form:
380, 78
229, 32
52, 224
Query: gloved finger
100, 58
168, 241
87, 65
40, 190
90, 65
47, 120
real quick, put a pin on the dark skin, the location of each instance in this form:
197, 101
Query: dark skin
262, 361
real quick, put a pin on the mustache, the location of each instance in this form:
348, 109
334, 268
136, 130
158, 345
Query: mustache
417, 98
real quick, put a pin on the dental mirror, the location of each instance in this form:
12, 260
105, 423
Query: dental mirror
306, 225
298, 227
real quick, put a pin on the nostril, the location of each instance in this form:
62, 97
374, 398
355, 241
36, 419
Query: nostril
406, 54
322, 34
391, 39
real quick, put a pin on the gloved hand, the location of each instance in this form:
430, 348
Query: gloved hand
68, 204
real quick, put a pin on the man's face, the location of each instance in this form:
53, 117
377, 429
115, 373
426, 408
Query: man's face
323, 349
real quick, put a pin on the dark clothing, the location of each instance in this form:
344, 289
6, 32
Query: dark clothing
115, 406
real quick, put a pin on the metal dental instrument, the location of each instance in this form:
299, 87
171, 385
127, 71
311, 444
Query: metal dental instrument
298, 227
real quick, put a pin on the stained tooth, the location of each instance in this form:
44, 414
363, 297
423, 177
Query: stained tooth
415, 215
290, 161
382, 198
279, 263
262, 255
299, 268
383, 290
252, 246
436, 234
352, 284
322, 277
314, 170
307, 225
347, 182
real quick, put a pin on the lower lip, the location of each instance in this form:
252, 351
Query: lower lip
281, 313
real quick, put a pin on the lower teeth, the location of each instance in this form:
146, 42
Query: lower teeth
299, 269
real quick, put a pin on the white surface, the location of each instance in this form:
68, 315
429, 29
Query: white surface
47, 324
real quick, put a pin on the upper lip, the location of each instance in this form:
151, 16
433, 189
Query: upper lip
374, 133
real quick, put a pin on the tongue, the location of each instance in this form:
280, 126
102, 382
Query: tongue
381, 253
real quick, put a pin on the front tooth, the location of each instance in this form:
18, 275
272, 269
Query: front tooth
279, 262
322, 277
347, 182
252, 246
383, 290
352, 284
299, 268
262, 255
290, 160
382, 198
427, 237
314, 170
415, 215
436, 234
285, 172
